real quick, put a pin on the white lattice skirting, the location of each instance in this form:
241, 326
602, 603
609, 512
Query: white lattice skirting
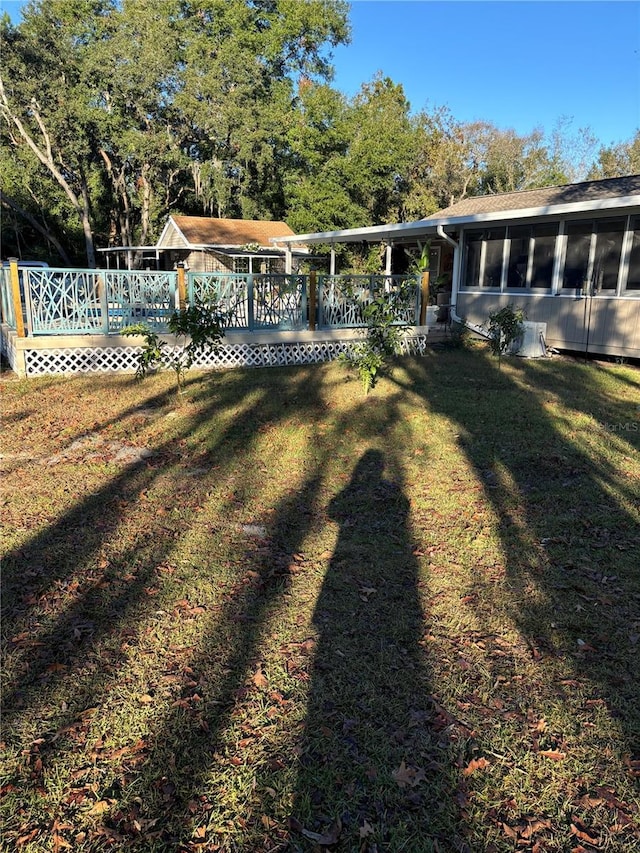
107, 359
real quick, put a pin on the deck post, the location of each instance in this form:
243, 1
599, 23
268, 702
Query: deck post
182, 286
250, 304
424, 297
313, 284
103, 298
15, 296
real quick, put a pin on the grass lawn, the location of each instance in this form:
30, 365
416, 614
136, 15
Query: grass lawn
272, 614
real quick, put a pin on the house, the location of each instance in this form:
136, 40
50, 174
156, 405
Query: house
210, 244
569, 256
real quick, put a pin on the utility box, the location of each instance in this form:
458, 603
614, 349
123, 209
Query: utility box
532, 342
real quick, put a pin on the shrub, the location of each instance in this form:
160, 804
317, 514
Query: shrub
504, 328
197, 329
369, 357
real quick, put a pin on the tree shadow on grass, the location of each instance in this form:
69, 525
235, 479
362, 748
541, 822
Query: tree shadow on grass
373, 768
74, 619
198, 785
567, 582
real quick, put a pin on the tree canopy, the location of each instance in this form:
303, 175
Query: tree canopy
115, 113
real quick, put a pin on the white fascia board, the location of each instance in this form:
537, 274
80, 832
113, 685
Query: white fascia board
622, 203
428, 226
170, 224
357, 235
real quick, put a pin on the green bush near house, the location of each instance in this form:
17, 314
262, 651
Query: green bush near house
504, 327
198, 328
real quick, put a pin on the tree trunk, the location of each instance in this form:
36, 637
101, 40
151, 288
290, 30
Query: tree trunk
9, 202
45, 155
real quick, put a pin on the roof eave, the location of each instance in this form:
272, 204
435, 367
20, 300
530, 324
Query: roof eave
404, 230
546, 210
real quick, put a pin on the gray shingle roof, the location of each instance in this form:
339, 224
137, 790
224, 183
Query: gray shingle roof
567, 194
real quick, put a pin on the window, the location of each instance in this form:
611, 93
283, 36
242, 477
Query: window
520, 237
633, 276
610, 233
241, 264
483, 266
473, 258
531, 255
544, 249
494, 245
593, 256
576, 265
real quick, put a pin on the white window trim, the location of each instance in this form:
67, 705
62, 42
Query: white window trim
625, 259
559, 263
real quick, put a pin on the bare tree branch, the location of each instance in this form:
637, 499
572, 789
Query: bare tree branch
7, 201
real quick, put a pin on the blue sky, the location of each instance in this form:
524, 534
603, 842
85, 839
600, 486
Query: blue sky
519, 65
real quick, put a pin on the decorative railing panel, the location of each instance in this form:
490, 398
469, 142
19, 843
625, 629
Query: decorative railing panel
229, 291
265, 301
279, 301
62, 302
342, 299
140, 297
6, 300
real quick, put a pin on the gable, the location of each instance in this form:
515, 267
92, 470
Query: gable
209, 231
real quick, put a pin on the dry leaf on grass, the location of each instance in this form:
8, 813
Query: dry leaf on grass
260, 679
328, 838
475, 764
408, 777
366, 829
100, 807
582, 831
553, 754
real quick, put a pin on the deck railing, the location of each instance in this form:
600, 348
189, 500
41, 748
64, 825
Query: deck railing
56, 301
342, 299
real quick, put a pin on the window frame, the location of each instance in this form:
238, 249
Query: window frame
476, 247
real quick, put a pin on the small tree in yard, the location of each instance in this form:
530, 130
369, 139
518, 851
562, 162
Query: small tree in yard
197, 329
384, 333
504, 328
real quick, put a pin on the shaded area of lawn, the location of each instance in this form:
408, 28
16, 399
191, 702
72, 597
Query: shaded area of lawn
315, 620
554, 449
141, 734
370, 718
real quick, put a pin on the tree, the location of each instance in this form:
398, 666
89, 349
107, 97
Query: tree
437, 177
382, 146
133, 108
241, 63
45, 101
618, 160
139, 137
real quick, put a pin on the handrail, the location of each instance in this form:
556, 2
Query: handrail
62, 301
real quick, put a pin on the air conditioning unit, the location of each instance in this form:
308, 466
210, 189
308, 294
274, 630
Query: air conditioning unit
532, 343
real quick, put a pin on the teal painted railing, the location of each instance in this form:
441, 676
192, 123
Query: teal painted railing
253, 301
343, 298
6, 300
58, 301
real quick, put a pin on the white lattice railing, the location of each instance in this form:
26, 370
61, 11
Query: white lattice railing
40, 362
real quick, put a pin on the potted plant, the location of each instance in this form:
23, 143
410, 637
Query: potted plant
419, 266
